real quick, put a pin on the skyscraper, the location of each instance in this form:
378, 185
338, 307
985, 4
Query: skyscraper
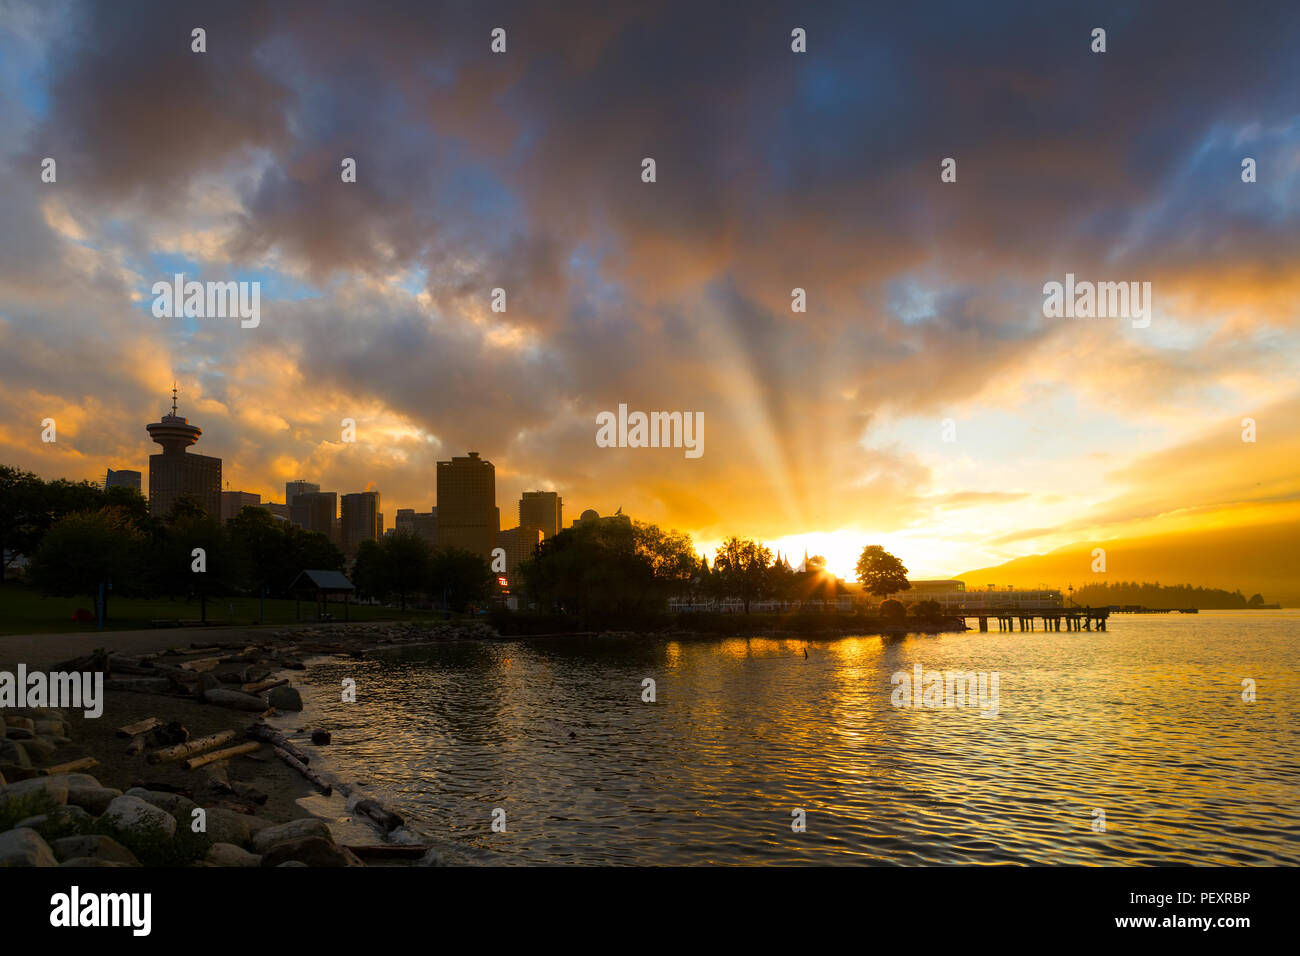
122, 479
467, 513
543, 510
174, 473
421, 524
294, 488
315, 511
233, 501
519, 545
360, 520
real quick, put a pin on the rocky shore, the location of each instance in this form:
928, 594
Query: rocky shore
182, 768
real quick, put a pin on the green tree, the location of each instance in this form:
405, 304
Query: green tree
86, 548
396, 565
927, 609
462, 577
187, 530
22, 514
740, 568
880, 572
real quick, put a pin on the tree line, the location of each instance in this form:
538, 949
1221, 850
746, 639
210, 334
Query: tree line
1155, 594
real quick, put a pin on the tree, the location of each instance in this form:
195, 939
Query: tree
927, 609
22, 513
85, 549
741, 568
880, 572
224, 567
462, 577
398, 564
892, 610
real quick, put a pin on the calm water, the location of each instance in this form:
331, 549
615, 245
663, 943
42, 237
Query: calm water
1145, 722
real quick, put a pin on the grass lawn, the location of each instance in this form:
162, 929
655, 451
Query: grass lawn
23, 611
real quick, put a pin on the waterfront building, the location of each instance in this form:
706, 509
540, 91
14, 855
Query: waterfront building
122, 479
360, 520
543, 510
315, 511
175, 473
233, 501
467, 513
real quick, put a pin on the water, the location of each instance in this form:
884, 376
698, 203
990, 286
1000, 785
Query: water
1145, 722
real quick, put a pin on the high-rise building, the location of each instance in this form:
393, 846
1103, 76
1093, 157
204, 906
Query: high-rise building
174, 473
315, 511
519, 545
543, 510
122, 479
467, 513
233, 501
360, 520
421, 524
294, 488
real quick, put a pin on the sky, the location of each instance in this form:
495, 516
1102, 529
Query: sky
923, 401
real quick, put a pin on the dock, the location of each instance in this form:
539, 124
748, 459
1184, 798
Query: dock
1054, 618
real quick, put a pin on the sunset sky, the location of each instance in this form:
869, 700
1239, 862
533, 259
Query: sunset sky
775, 170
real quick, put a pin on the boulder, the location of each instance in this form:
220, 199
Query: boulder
293, 863
40, 793
50, 726
227, 854
180, 807
94, 800
320, 737
310, 851
11, 751
41, 748
293, 830
24, 847
62, 821
226, 826
234, 699
284, 698
93, 846
145, 830
85, 861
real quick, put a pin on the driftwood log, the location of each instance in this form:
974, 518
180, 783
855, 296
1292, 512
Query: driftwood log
387, 820
139, 727
271, 736
195, 762
263, 685
192, 747
73, 766
303, 769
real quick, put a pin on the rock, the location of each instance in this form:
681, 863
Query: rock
93, 846
60, 822
320, 737
41, 748
43, 713
284, 698
234, 699
94, 800
180, 807
24, 847
293, 830
292, 863
15, 726
15, 753
43, 793
311, 851
51, 727
144, 829
227, 854
226, 826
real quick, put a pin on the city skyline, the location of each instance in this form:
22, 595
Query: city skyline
926, 397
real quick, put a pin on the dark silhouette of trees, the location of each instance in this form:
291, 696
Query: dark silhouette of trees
85, 549
740, 569
880, 572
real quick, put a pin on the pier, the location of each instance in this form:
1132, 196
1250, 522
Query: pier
1053, 618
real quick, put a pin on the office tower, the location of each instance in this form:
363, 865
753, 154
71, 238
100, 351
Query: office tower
467, 513
122, 479
421, 524
279, 510
315, 511
359, 520
232, 501
175, 473
543, 510
294, 488
519, 545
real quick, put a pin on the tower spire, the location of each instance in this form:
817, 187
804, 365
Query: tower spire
173, 398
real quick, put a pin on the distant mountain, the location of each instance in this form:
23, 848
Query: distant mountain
1258, 558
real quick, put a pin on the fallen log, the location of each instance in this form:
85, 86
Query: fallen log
386, 819
263, 685
268, 735
202, 665
137, 744
139, 727
73, 766
302, 768
195, 762
191, 747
